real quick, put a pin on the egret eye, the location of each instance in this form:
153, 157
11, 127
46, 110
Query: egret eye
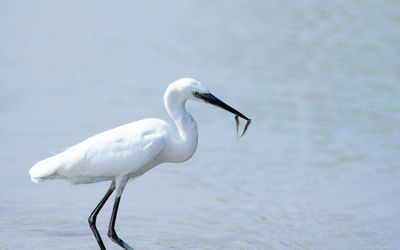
196, 94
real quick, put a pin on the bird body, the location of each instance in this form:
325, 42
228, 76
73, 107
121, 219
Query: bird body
126, 152
129, 150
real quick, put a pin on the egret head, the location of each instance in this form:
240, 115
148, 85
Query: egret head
186, 87
192, 89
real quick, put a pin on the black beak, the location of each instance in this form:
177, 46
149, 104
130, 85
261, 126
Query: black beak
210, 98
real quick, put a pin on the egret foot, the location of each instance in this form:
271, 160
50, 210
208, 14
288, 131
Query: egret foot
114, 237
93, 215
111, 230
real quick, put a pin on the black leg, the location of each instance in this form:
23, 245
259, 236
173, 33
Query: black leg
93, 215
111, 231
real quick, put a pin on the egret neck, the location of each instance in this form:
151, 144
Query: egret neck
186, 138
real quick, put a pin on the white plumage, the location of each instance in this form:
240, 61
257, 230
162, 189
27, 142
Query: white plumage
128, 151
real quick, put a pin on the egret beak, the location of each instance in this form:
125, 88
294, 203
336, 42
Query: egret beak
211, 99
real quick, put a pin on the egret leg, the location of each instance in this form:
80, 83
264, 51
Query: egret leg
111, 228
93, 215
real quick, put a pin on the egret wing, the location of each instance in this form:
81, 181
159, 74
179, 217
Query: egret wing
123, 150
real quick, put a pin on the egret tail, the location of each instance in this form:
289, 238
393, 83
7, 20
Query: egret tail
44, 170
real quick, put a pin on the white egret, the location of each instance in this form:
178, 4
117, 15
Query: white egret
123, 153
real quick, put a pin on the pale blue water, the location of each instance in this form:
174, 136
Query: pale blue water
319, 168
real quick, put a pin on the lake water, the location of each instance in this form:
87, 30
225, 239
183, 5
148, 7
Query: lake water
319, 167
